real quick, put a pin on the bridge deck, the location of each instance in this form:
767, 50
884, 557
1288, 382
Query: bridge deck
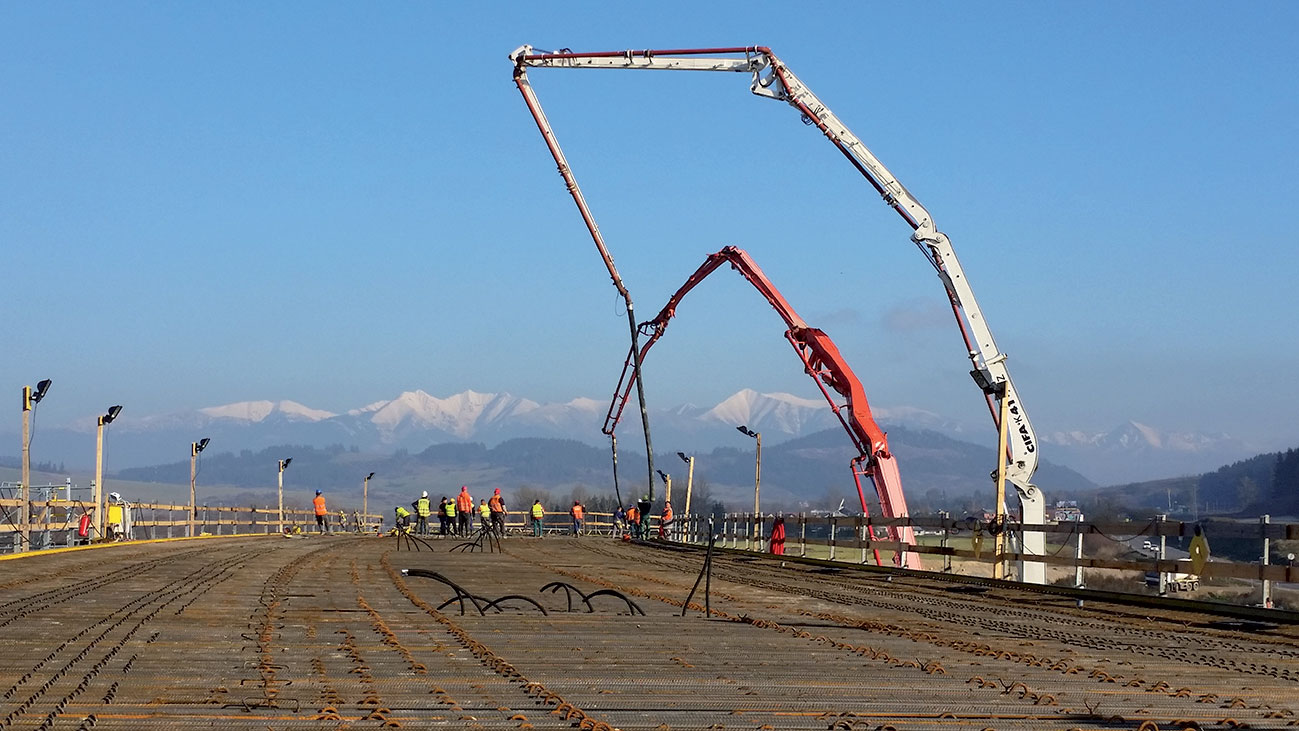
325, 632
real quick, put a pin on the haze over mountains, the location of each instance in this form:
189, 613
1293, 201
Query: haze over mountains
414, 420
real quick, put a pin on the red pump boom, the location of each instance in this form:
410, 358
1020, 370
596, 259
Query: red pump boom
821, 360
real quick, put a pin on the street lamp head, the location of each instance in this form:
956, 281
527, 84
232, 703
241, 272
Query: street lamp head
683, 456
113, 411
42, 388
284, 463
369, 476
746, 431
662, 474
201, 444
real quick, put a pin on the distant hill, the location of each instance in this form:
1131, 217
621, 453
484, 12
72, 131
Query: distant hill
415, 419
1264, 484
806, 472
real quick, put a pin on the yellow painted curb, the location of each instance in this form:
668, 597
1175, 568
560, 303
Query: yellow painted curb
70, 549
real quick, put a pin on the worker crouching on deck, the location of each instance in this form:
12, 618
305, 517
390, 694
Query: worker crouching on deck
633, 521
403, 520
665, 521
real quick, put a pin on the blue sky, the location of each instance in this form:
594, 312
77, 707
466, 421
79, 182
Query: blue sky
332, 203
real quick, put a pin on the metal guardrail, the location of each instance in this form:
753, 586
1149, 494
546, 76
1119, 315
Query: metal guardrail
854, 539
55, 521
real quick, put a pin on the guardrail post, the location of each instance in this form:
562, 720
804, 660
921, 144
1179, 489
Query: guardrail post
45, 520
1267, 548
860, 528
834, 528
944, 543
1163, 552
802, 535
1078, 569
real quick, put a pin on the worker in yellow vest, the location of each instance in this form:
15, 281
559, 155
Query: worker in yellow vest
449, 512
538, 515
484, 515
423, 508
403, 520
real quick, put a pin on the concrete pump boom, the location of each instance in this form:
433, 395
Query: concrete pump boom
821, 360
771, 78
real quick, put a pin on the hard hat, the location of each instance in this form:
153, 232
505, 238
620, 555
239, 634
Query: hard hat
317, 492
115, 496
424, 494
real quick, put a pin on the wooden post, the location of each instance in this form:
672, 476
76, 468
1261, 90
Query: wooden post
999, 543
24, 514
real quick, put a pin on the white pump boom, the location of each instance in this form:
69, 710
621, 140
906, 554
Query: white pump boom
771, 78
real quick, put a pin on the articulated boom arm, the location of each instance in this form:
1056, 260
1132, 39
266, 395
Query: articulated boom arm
821, 359
771, 78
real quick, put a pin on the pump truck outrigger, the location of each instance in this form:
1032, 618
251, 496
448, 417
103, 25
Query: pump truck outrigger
771, 78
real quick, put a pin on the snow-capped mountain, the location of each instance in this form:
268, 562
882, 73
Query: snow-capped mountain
255, 411
1134, 451
415, 419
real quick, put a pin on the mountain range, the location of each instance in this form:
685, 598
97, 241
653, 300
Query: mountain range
414, 420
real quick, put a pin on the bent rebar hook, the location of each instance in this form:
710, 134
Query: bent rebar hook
461, 594
569, 589
632, 607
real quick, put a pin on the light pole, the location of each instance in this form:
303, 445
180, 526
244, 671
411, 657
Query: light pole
194, 449
284, 464
30, 399
757, 479
365, 496
690, 477
101, 422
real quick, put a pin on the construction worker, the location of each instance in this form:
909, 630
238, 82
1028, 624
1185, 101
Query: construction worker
464, 510
576, 513
619, 522
778, 535
322, 515
422, 509
449, 512
497, 506
119, 517
403, 520
665, 521
633, 521
538, 516
342, 520
484, 516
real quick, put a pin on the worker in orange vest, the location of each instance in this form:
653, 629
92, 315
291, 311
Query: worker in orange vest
665, 521
633, 520
464, 510
497, 506
576, 513
322, 515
